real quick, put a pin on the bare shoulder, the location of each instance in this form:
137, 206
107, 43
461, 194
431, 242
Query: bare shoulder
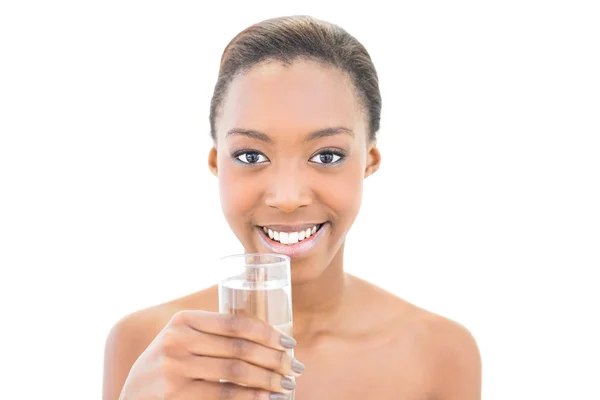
451, 356
442, 348
133, 333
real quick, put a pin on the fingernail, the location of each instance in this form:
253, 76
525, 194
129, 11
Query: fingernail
288, 384
297, 366
287, 342
277, 396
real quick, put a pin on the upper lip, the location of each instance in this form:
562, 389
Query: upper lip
291, 228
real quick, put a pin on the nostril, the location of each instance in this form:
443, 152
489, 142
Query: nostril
288, 204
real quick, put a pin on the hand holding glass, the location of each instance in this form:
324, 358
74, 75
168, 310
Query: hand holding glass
259, 286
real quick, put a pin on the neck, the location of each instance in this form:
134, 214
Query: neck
317, 303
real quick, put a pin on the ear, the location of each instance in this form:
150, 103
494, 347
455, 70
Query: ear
373, 159
212, 161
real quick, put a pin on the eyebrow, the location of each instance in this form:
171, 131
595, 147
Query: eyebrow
263, 137
321, 133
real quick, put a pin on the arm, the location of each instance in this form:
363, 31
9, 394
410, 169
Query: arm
124, 344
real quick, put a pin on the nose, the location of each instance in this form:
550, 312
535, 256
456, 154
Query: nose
288, 190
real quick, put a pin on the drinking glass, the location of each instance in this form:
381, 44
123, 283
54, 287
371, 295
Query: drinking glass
258, 285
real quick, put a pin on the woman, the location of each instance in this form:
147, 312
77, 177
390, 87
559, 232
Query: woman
294, 118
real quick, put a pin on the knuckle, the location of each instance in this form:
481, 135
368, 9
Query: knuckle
240, 347
235, 324
270, 334
282, 359
180, 318
169, 367
172, 342
256, 394
226, 392
273, 381
234, 369
172, 390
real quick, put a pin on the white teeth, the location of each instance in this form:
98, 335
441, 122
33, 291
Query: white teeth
284, 237
290, 237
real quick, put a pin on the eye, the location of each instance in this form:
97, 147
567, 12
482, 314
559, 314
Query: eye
328, 157
251, 157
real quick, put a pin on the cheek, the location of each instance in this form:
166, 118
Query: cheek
344, 196
238, 195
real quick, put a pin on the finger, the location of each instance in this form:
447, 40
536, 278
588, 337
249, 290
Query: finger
238, 326
236, 371
198, 389
205, 344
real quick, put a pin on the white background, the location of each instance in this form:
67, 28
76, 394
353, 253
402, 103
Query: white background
485, 210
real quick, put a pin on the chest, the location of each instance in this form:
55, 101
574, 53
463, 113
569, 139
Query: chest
375, 373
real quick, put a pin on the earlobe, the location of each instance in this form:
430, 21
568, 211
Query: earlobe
373, 161
212, 161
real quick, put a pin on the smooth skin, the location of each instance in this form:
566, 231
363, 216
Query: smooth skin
292, 147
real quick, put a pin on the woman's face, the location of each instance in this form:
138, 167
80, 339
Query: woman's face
291, 154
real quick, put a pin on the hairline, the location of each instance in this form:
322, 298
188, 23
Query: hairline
288, 61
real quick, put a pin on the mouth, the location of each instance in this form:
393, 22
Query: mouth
293, 241
291, 235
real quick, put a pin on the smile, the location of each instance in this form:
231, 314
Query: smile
293, 237
295, 242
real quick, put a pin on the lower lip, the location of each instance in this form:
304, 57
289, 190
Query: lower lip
297, 250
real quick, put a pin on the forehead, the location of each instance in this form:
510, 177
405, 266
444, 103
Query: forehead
300, 97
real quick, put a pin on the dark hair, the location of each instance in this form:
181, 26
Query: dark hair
286, 39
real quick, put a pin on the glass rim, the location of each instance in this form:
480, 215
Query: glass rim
280, 259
